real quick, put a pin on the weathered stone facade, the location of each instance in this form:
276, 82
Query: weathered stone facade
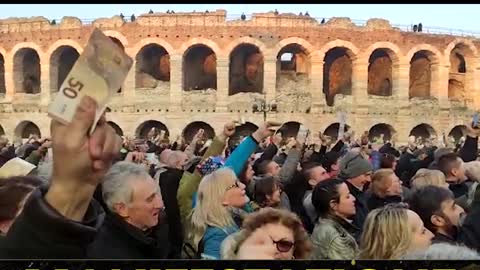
199, 67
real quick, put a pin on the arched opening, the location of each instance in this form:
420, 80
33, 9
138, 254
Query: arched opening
458, 80
289, 129
25, 129
61, 62
3, 88
152, 69
26, 71
246, 69
423, 130
377, 130
420, 74
380, 73
241, 132
116, 127
337, 73
458, 132
199, 68
2, 131
293, 69
332, 130
191, 129
145, 127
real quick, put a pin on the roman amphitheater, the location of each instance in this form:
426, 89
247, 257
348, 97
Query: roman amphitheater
199, 69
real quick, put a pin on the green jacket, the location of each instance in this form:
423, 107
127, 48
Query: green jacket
332, 241
189, 183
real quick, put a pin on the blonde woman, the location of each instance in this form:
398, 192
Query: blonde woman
391, 232
270, 233
220, 196
386, 188
426, 177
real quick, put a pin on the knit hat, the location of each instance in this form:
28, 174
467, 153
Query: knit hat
210, 165
352, 165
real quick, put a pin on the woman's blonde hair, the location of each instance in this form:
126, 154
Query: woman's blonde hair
381, 181
426, 177
386, 233
209, 209
264, 216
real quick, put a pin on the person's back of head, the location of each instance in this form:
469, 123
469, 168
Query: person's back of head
441, 152
472, 170
314, 173
385, 183
177, 160
330, 161
426, 177
443, 251
323, 194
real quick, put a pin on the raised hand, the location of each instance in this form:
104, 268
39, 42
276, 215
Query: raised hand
80, 161
267, 129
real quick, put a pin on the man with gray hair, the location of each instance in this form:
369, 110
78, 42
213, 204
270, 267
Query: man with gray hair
134, 227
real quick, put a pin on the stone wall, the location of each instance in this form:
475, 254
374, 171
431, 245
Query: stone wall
313, 94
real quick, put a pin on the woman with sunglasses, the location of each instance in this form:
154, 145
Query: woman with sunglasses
218, 211
269, 234
332, 236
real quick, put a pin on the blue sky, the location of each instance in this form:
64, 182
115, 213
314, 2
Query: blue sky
451, 16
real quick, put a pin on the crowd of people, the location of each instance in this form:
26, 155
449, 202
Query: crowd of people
264, 196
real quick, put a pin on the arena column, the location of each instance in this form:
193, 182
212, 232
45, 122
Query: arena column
270, 77
471, 84
128, 88
9, 79
401, 81
175, 81
360, 80
45, 89
316, 85
439, 83
222, 84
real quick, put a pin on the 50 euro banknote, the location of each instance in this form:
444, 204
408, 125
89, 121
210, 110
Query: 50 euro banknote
99, 72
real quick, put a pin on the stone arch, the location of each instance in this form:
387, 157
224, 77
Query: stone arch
382, 128
290, 129
337, 72
203, 41
159, 41
199, 68
353, 51
245, 40
458, 132
25, 128
309, 49
332, 130
435, 55
191, 129
246, 69
116, 127
461, 56
152, 67
421, 77
118, 36
143, 129
61, 62
423, 130
64, 42
382, 69
27, 70
293, 73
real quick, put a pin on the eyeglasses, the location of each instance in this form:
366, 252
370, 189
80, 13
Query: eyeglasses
236, 185
283, 245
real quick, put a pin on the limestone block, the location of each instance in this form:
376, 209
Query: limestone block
378, 24
115, 21
70, 23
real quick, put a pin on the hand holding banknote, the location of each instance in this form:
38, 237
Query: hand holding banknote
98, 73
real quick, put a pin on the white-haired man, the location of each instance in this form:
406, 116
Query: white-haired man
134, 227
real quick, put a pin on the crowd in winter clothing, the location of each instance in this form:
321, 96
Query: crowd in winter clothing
264, 196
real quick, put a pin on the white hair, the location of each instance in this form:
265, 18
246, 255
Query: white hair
472, 170
444, 251
117, 187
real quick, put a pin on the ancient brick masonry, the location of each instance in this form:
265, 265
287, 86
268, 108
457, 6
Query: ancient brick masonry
200, 70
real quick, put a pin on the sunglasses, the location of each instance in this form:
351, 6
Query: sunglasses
283, 245
236, 185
